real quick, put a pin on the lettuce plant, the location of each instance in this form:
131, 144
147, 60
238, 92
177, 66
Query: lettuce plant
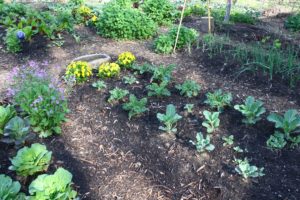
169, 119
17, 131
251, 109
31, 160
135, 106
117, 94
228, 140
276, 141
289, 123
212, 121
246, 170
9, 189
218, 99
203, 144
158, 89
189, 88
55, 186
6, 113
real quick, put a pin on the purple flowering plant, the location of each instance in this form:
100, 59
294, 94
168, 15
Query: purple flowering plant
40, 97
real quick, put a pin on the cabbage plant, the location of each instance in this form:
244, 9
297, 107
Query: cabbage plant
55, 187
6, 113
9, 189
31, 160
169, 119
212, 121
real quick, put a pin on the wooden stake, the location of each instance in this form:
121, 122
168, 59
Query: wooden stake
179, 26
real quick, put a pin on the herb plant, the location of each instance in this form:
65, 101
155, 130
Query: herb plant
100, 85
129, 80
218, 100
276, 141
246, 170
117, 94
6, 113
56, 186
189, 88
31, 160
212, 121
159, 90
169, 119
251, 109
203, 144
10, 189
189, 107
135, 106
228, 140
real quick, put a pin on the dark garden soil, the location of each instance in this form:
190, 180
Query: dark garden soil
113, 158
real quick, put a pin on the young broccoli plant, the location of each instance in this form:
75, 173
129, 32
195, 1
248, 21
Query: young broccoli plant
228, 141
17, 131
289, 123
163, 73
135, 106
169, 119
218, 100
189, 108
100, 85
117, 95
158, 89
251, 109
129, 80
246, 170
189, 88
203, 144
212, 121
276, 141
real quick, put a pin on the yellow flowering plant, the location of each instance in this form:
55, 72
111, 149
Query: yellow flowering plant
109, 70
126, 59
81, 70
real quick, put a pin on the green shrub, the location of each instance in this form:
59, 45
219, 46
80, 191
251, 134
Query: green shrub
30, 161
124, 23
197, 9
239, 17
293, 22
165, 43
162, 12
9, 189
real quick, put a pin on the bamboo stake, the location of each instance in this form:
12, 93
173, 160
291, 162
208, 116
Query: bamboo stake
209, 17
179, 26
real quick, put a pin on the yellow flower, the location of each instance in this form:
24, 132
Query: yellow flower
94, 18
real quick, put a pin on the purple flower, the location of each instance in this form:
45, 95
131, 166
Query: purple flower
10, 92
20, 35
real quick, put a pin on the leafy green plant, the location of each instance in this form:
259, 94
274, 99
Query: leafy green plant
56, 186
238, 149
246, 170
164, 44
159, 90
163, 73
169, 119
228, 140
289, 123
129, 80
189, 88
189, 107
6, 113
212, 121
119, 22
218, 99
276, 141
135, 106
251, 109
203, 144
30, 161
243, 17
144, 68
12, 43
117, 94
100, 85
293, 22
162, 12
17, 131
9, 189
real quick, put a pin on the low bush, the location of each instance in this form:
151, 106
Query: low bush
293, 22
119, 22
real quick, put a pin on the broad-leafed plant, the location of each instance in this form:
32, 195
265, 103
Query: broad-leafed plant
17, 131
144, 68
117, 95
100, 85
9, 189
189, 107
29, 161
252, 109
159, 90
218, 99
228, 140
203, 144
189, 88
276, 141
6, 113
56, 186
169, 119
246, 170
289, 123
129, 80
135, 106
238, 149
163, 73
212, 121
